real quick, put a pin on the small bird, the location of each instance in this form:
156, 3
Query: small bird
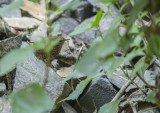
42, 55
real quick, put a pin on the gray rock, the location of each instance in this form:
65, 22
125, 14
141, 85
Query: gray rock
60, 3
126, 8
2, 87
6, 46
87, 36
5, 2
139, 101
84, 10
33, 70
105, 8
5, 106
67, 108
12, 14
118, 81
149, 77
105, 23
67, 24
99, 92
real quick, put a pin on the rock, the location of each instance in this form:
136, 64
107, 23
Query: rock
84, 10
12, 14
105, 8
33, 70
118, 81
67, 13
10, 44
5, 106
2, 87
105, 23
5, 2
126, 8
60, 3
87, 36
67, 108
99, 92
6, 46
67, 24
149, 76
139, 101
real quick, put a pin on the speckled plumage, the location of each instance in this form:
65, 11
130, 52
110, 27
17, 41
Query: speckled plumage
40, 54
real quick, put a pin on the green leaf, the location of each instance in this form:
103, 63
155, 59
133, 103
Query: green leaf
81, 86
108, 1
89, 63
81, 29
141, 66
96, 41
143, 14
139, 6
151, 97
79, 89
98, 17
110, 42
9, 61
56, 29
157, 20
110, 107
154, 45
31, 99
108, 46
138, 66
146, 65
137, 41
12, 6
71, 6
134, 30
133, 54
123, 6
111, 64
35, 1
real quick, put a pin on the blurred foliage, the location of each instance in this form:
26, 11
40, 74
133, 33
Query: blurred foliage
138, 40
31, 99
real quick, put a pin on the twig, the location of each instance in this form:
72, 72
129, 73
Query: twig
133, 107
120, 76
150, 86
121, 91
132, 80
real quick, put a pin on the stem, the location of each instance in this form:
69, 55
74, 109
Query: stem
150, 86
132, 80
47, 69
100, 33
121, 91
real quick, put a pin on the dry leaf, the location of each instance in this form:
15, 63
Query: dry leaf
64, 72
22, 22
34, 9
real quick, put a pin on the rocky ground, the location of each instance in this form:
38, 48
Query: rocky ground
100, 90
